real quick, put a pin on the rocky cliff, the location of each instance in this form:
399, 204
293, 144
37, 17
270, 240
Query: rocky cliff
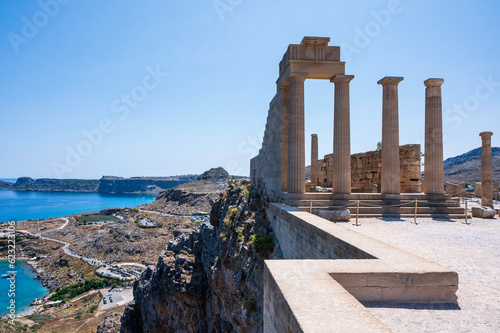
210, 280
196, 195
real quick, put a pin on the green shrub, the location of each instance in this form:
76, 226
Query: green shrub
262, 243
250, 305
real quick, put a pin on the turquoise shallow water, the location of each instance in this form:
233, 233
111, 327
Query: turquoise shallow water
20, 205
26, 288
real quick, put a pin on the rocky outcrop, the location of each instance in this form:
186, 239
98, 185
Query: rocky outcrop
197, 195
110, 324
210, 280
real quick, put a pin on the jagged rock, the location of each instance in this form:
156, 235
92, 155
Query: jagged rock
110, 324
202, 279
334, 215
483, 212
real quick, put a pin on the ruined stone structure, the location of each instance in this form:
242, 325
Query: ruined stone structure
388, 176
366, 175
315, 293
455, 189
280, 164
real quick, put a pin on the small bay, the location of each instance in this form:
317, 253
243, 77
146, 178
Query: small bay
26, 288
24, 205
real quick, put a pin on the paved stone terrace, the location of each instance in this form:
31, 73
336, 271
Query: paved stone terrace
471, 250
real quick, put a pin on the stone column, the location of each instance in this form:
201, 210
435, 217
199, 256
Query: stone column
341, 136
433, 167
296, 182
486, 171
314, 159
390, 171
284, 137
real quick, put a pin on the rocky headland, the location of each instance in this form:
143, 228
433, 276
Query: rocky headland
196, 195
107, 184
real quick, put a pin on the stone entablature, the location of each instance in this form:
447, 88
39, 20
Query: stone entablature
366, 170
313, 57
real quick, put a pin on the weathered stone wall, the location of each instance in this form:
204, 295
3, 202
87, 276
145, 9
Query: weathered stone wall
478, 189
455, 189
266, 167
366, 170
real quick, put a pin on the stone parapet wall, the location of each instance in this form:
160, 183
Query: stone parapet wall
310, 292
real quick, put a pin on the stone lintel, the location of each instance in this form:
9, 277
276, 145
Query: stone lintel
485, 134
308, 40
298, 75
433, 82
390, 80
341, 78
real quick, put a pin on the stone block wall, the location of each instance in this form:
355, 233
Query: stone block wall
366, 170
478, 189
455, 189
266, 167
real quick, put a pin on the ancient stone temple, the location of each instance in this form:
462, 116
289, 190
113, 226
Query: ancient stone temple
392, 176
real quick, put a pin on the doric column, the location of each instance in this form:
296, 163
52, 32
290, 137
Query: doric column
433, 167
296, 137
390, 171
341, 136
486, 171
314, 159
284, 136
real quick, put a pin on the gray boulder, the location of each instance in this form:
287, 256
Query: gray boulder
483, 212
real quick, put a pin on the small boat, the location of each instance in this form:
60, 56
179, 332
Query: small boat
8, 276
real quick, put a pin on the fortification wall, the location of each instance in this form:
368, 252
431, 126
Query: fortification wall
266, 167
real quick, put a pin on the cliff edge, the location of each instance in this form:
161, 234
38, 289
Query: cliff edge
209, 280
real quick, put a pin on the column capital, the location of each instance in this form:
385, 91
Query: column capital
314, 134
298, 76
433, 82
341, 78
486, 134
390, 80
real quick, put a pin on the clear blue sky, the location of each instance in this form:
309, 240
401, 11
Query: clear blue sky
68, 69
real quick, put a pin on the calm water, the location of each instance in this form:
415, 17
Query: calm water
26, 287
20, 205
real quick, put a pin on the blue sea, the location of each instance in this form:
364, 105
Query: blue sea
22, 205
26, 288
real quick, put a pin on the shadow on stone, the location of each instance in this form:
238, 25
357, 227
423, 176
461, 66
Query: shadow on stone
413, 306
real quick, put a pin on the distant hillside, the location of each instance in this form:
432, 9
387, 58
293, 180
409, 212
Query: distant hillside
197, 195
107, 184
467, 167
